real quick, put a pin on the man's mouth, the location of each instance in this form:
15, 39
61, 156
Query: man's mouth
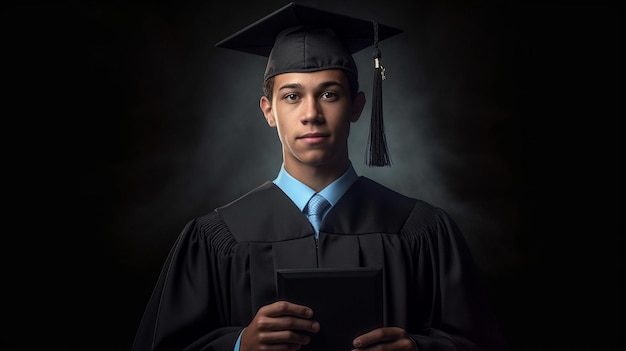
313, 138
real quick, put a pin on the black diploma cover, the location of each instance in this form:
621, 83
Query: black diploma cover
347, 302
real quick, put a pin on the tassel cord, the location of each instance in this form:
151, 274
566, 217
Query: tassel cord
378, 152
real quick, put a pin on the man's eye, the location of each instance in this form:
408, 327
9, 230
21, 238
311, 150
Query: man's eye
329, 95
291, 97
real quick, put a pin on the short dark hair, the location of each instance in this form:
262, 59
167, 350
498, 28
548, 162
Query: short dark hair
268, 85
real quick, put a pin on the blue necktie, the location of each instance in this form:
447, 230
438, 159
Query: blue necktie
314, 210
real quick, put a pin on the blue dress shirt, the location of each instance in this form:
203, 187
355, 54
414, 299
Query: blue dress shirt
300, 193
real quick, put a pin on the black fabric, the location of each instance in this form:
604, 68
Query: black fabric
304, 49
299, 38
259, 37
221, 269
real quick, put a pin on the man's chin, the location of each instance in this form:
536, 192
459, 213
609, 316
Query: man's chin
321, 162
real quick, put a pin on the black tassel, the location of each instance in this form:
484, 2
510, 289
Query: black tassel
378, 153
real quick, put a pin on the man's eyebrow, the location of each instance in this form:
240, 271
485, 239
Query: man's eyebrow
330, 84
321, 85
291, 86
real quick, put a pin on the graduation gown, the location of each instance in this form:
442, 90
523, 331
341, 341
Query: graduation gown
221, 269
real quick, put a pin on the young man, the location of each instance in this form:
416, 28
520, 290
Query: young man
217, 289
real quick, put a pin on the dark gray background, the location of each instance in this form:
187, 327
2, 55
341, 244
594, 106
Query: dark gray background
123, 122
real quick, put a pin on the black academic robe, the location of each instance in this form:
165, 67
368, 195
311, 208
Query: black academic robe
221, 269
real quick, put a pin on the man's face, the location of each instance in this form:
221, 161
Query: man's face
312, 113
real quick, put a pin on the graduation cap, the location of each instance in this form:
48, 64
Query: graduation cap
298, 38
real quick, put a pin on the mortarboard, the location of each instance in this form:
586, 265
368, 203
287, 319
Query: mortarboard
298, 38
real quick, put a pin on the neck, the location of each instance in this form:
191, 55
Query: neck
317, 177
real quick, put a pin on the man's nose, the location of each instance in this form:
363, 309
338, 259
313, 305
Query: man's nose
312, 112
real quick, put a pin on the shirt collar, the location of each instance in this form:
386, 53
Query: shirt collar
300, 193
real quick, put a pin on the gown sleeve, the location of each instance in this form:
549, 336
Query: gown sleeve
459, 316
186, 309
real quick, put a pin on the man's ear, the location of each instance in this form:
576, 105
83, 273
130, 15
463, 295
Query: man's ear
266, 107
358, 103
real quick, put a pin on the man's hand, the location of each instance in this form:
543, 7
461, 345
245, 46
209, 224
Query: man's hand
279, 326
384, 339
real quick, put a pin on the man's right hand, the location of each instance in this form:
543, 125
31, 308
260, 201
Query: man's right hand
279, 326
